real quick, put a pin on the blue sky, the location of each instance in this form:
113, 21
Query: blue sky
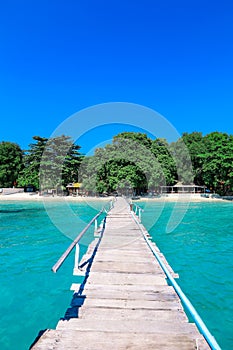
58, 57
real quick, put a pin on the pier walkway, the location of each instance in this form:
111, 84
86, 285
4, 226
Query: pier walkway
125, 301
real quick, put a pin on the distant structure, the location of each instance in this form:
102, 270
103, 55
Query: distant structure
74, 188
180, 188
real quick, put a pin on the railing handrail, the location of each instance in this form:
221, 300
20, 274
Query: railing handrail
76, 240
137, 206
198, 320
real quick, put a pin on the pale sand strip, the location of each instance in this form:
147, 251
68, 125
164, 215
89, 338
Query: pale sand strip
36, 197
181, 197
164, 198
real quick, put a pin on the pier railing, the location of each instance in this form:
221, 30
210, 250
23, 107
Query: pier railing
75, 243
197, 319
137, 210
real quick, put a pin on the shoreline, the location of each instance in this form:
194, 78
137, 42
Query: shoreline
36, 197
175, 197
182, 197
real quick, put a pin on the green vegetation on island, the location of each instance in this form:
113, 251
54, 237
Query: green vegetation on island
132, 161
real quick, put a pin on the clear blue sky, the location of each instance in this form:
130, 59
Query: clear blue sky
60, 56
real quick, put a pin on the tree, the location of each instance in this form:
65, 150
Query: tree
137, 137
10, 163
182, 160
125, 163
160, 149
51, 163
195, 145
121, 173
32, 161
87, 175
59, 163
217, 162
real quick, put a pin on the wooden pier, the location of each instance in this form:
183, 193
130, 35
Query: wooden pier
125, 301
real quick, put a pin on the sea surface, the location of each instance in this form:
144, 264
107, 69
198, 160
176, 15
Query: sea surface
32, 298
32, 238
200, 250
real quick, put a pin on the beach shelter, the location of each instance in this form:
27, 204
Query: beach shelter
74, 188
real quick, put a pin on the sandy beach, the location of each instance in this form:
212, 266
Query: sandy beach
175, 197
181, 197
36, 197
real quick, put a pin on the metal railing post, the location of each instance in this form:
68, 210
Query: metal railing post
140, 215
76, 270
96, 225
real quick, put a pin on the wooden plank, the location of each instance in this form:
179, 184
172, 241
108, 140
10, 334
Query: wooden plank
115, 341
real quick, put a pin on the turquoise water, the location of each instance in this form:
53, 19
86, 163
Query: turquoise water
32, 298
200, 249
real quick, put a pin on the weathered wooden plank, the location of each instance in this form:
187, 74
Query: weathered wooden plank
126, 278
124, 266
129, 325
115, 341
132, 292
135, 313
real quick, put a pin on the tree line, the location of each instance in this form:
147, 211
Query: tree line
48, 163
132, 163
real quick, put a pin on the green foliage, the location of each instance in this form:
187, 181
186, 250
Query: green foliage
195, 145
217, 162
51, 163
137, 137
32, 159
160, 148
126, 165
182, 161
10, 163
133, 163
59, 163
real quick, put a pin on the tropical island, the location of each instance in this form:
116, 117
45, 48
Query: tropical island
133, 164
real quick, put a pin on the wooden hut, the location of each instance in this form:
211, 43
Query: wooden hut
181, 188
74, 188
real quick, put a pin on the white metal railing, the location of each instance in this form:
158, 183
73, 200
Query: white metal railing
137, 210
75, 243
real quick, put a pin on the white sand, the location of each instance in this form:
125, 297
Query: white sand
164, 198
36, 197
182, 197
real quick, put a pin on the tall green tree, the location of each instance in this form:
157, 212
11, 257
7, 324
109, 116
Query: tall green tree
182, 159
137, 137
10, 163
51, 163
87, 175
160, 149
60, 162
32, 161
196, 146
217, 162
125, 163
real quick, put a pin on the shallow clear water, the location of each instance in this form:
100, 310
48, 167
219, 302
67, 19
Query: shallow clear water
200, 249
32, 298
